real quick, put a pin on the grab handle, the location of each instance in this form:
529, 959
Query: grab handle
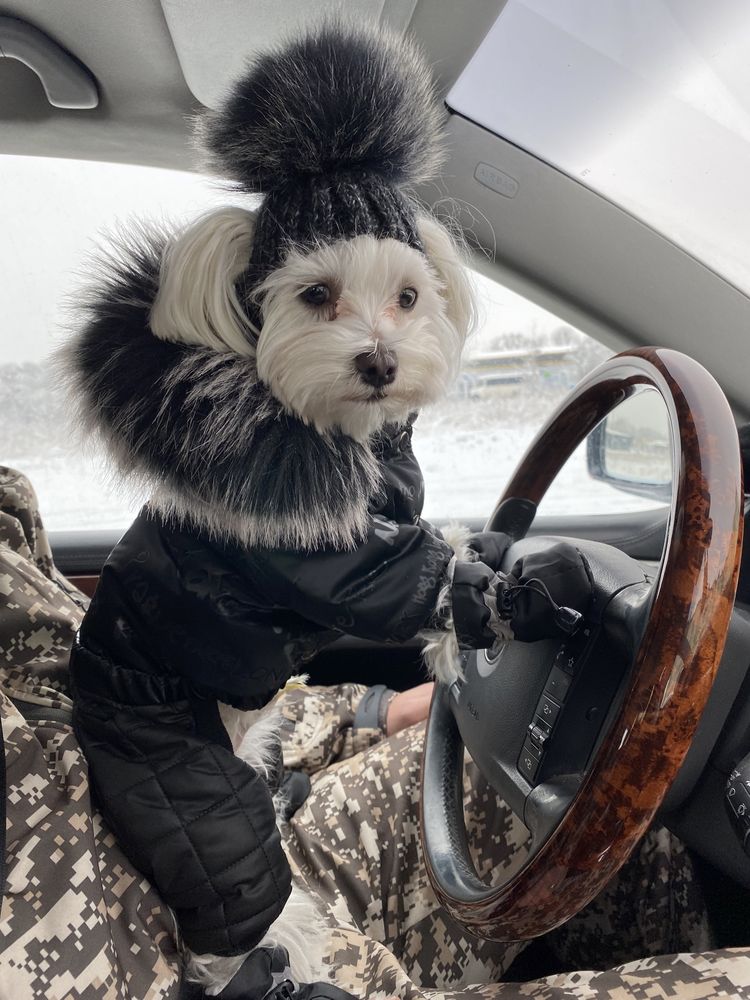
67, 83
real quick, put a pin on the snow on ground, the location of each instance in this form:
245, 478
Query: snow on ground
467, 462
468, 451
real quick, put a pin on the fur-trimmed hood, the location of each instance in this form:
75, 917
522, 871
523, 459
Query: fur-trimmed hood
198, 430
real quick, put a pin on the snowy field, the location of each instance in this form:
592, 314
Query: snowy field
468, 447
466, 471
468, 450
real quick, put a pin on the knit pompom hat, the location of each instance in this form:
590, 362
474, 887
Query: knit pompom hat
330, 128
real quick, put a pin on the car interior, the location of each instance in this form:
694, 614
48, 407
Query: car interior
595, 167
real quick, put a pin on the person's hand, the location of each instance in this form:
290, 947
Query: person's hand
407, 708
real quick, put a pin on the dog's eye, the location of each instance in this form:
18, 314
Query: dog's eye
407, 298
316, 295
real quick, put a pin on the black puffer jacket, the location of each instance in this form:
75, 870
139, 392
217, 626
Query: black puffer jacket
262, 541
178, 621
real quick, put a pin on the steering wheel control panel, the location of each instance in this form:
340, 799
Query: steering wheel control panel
737, 798
540, 729
550, 704
546, 714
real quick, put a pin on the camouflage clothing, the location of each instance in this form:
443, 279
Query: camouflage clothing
40, 609
79, 922
710, 976
356, 843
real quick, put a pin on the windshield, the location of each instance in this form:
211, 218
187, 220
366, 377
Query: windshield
647, 103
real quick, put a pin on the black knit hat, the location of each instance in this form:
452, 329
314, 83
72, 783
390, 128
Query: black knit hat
331, 128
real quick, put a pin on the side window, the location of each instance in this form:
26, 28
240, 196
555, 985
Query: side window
56, 210
519, 366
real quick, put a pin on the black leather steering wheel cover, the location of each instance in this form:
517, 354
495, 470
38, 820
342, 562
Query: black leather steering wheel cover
445, 841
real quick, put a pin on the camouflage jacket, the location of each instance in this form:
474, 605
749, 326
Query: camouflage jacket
78, 920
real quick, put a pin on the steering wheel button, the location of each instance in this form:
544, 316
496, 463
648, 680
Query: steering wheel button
548, 710
529, 761
738, 799
557, 684
565, 659
538, 736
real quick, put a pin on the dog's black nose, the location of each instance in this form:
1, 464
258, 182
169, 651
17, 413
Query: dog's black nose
378, 368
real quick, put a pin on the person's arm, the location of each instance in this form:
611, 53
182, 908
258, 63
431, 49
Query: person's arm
332, 723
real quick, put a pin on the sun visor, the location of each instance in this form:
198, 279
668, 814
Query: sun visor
213, 41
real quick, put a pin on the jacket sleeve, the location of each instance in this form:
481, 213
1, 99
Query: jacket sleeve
386, 589
323, 725
197, 820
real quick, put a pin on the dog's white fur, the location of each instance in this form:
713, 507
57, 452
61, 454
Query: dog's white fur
197, 301
306, 357
440, 651
300, 929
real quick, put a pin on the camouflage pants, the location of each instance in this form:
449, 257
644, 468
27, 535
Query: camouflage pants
78, 922
355, 842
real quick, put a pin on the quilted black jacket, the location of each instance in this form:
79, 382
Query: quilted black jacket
262, 541
179, 621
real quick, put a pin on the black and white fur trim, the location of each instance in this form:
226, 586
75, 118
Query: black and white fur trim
197, 429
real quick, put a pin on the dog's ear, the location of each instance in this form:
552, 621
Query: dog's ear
197, 300
448, 259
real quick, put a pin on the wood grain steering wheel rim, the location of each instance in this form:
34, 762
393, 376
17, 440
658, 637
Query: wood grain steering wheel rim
668, 686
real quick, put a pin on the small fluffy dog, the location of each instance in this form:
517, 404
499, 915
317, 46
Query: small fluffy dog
259, 373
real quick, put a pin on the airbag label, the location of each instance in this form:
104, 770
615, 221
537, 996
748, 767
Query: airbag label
496, 180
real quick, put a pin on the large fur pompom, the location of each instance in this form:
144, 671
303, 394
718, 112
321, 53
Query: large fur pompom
339, 99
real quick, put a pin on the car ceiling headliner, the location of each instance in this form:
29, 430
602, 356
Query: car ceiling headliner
145, 101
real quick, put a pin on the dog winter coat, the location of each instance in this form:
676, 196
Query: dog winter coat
326, 538
263, 539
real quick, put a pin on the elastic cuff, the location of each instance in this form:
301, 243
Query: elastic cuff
373, 708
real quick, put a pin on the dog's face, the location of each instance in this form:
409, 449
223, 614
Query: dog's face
356, 334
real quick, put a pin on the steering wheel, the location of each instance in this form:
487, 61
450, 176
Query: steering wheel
583, 736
